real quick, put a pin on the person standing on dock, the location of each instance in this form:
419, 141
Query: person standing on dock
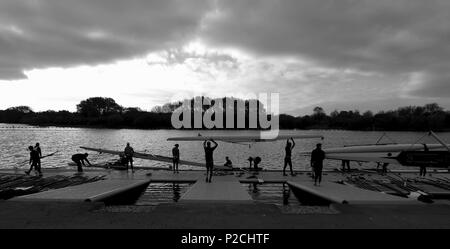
209, 158
384, 168
34, 161
129, 152
345, 165
256, 161
423, 170
287, 157
176, 158
250, 160
423, 167
79, 160
317, 157
39, 151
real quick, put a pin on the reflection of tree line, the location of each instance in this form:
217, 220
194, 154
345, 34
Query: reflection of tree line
105, 112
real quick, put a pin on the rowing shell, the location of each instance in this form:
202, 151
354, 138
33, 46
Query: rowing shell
235, 139
152, 157
116, 166
379, 148
363, 157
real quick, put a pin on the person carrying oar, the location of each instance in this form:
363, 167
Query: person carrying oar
37, 148
35, 161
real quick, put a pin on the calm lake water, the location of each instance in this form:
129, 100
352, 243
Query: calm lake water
14, 140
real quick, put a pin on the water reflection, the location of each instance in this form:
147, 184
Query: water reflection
286, 194
176, 192
14, 141
157, 193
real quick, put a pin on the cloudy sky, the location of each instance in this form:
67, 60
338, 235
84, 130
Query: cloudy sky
339, 54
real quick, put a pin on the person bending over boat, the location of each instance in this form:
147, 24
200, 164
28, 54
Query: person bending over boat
317, 157
34, 161
79, 160
287, 157
209, 158
176, 158
129, 152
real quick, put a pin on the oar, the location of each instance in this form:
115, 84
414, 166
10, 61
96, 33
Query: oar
51, 154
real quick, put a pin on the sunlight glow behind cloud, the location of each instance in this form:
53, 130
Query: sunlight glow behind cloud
337, 54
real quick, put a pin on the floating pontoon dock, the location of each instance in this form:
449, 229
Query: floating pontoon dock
221, 189
356, 188
95, 191
344, 194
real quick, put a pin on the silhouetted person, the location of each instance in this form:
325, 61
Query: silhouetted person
228, 162
423, 170
345, 165
384, 168
256, 161
34, 161
317, 157
129, 152
209, 158
423, 167
79, 160
250, 160
38, 149
385, 165
287, 157
176, 158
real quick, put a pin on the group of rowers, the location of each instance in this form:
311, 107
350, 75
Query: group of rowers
209, 145
125, 159
79, 159
317, 158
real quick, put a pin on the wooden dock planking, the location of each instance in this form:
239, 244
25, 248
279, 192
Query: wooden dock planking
94, 191
339, 193
221, 189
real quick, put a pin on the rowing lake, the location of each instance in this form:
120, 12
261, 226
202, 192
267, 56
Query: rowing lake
14, 140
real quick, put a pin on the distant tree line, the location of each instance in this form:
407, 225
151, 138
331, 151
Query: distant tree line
409, 118
105, 112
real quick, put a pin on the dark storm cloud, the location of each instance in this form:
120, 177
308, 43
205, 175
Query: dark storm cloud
45, 33
391, 37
